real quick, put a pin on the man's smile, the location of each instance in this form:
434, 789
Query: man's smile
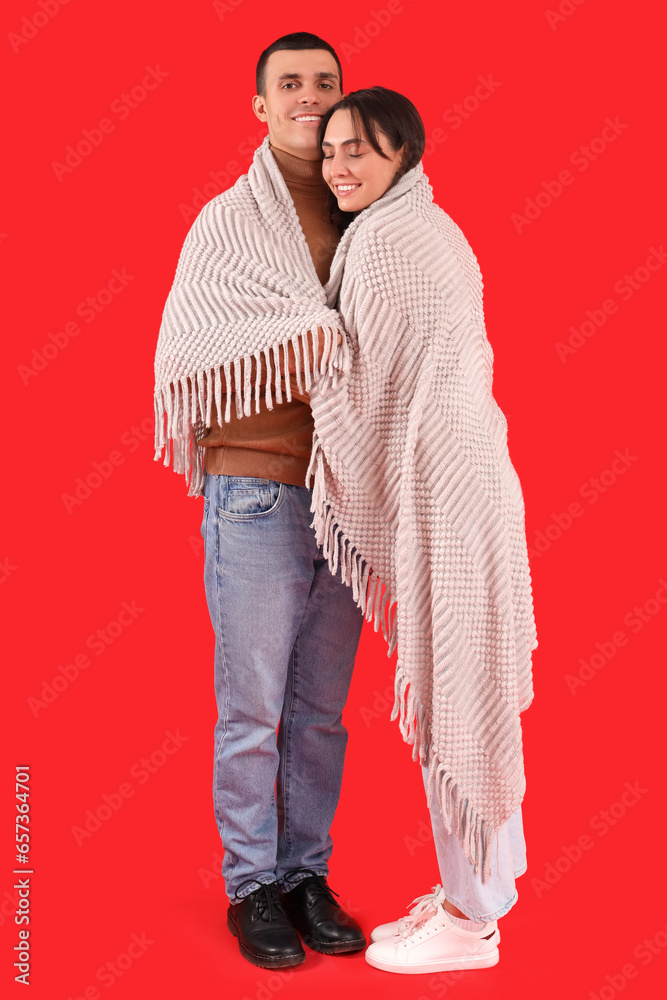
308, 119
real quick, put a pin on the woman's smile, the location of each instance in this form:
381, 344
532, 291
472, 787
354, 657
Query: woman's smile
342, 190
356, 172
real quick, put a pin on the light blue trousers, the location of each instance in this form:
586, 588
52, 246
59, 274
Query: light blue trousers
286, 637
480, 900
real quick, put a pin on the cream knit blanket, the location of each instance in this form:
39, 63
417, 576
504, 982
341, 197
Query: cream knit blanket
245, 288
416, 499
414, 493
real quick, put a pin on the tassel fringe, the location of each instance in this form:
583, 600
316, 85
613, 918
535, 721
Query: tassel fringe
473, 833
376, 602
183, 409
368, 590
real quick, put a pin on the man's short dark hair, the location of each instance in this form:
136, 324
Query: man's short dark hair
293, 42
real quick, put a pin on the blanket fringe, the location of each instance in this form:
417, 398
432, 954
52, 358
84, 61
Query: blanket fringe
473, 833
184, 408
368, 590
376, 602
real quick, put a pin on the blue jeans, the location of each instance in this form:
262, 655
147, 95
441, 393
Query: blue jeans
286, 634
479, 900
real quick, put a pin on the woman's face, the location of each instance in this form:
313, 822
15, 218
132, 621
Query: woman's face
354, 171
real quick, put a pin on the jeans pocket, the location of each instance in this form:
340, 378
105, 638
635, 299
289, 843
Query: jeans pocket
247, 497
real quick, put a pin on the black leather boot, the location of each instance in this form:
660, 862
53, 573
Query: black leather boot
321, 922
266, 936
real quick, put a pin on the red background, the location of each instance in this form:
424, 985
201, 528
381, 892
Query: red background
150, 869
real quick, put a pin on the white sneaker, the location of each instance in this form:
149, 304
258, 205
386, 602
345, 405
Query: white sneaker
421, 906
436, 944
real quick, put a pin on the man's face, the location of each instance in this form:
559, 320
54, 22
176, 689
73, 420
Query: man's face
300, 88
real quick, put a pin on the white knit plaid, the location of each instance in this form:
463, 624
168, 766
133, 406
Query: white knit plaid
245, 286
416, 498
414, 494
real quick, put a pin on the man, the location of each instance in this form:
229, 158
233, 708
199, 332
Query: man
286, 629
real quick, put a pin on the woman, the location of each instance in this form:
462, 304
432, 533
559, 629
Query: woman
415, 498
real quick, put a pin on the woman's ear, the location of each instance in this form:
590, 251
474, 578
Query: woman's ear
405, 156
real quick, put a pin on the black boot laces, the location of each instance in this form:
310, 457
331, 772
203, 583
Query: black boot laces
265, 899
319, 886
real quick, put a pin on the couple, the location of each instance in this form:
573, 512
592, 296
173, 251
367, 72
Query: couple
324, 380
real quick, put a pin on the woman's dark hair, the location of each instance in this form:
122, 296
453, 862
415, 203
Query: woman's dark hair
296, 41
379, 110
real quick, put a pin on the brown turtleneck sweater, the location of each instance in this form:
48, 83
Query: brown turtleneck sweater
276, 444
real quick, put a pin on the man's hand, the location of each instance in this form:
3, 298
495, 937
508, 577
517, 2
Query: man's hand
291, 359
304, 396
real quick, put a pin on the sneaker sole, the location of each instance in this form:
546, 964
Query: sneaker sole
262, 961
450, 964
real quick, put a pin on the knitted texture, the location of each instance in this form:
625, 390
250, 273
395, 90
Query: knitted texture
414, 494
415, 497
245, 288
